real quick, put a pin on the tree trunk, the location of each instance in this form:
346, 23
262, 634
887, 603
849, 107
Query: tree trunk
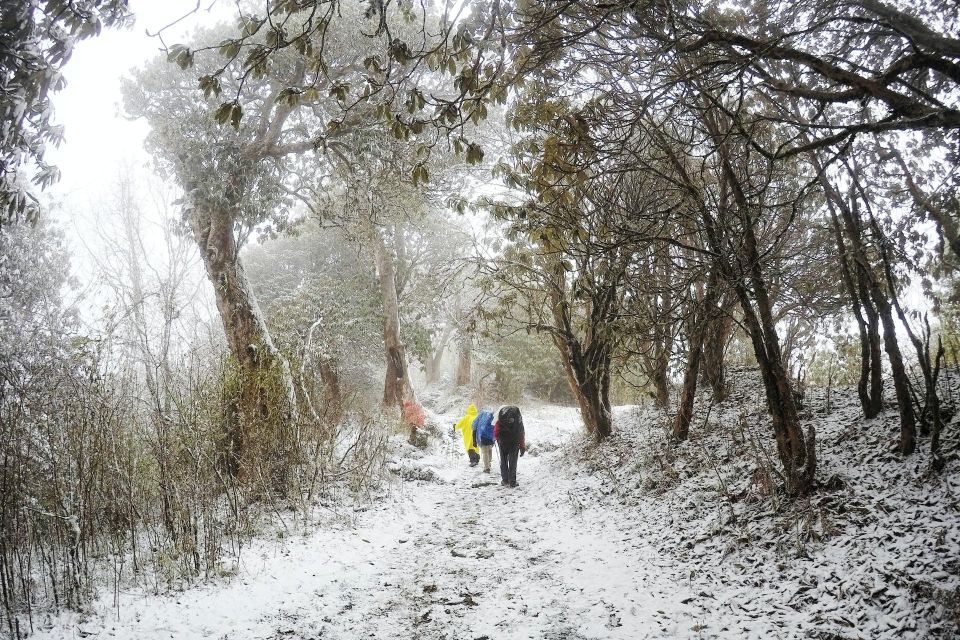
885, 300
715, 339
597, 403
247, 335
464, 360
874, 345
589, 377
431, 369
574, 387
703, 313
930, 410
663, 338
587, 368
797, 455
872, 291
780, 400
870, 383
597, 390
681, 423
875, 392
661, 378
330, 377
256, 405
901, 384
396, 385
798, 463
432, 365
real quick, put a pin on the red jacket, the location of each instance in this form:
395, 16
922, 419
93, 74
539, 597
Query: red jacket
413, 414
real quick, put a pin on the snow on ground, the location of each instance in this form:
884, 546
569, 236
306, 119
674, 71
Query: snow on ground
455, 557
874, 553
634, 538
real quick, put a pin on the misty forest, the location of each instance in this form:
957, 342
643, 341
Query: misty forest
483, 319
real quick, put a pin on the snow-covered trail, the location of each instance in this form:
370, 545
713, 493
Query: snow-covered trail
482, 560
461, 558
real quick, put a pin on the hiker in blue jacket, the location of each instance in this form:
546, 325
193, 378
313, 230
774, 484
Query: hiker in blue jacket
483, 436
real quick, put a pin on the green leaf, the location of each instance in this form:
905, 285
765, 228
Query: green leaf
222, 114
450, 113
275, 38
420, 175
210, 85
415, 101
339, 90
251, 26
230, 48
289, 96
400, 132
236, 113
474, 153
479, 113
181, 55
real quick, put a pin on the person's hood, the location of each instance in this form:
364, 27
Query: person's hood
472, 409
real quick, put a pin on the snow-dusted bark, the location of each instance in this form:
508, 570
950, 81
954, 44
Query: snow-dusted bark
433, 361
396, 385
797, 454
464, 359
247, 335
712, 369
706, 311
586, 362
589, 377
870, 384
876, 302
662, 334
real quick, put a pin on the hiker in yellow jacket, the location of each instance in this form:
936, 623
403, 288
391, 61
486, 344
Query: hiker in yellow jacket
466, 426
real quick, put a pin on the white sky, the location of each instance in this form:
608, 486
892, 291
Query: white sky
98, 138
100, 144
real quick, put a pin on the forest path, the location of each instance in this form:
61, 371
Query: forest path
457, 558
485, 561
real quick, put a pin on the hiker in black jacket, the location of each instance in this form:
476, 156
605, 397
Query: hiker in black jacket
508, 432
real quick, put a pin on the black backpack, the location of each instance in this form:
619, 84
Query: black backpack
511, 424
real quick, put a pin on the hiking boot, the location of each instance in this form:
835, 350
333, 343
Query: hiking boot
504, 483
514, 484
486, 470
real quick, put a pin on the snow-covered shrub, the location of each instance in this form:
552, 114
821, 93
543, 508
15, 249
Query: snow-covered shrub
108, 476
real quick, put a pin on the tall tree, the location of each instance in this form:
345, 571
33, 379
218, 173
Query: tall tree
232, 184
